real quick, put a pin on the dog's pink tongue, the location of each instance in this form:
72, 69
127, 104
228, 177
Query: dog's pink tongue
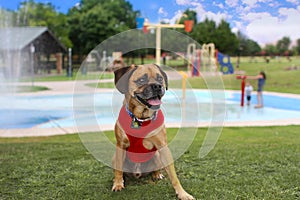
154, 102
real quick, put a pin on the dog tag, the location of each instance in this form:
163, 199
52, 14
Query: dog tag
135, 124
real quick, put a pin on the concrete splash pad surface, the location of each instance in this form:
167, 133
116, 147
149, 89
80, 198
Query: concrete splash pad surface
53, 113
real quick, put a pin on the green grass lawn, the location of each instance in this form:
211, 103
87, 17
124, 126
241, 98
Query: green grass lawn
279, 79
247, 163
76, 76
23, 88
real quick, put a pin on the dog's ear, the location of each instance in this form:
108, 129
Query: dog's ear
164, 75
122, 77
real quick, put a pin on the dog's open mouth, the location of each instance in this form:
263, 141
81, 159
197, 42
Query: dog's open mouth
153, 102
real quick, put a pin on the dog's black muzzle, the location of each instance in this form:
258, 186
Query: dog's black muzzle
151, 96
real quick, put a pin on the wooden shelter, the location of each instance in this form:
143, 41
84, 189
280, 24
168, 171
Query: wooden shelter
27, 50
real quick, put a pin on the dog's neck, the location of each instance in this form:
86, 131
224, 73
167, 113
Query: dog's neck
140, 120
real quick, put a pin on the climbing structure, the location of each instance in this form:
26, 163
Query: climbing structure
207, 59
225, 64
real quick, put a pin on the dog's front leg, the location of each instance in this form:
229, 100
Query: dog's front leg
118, 160
167, 160
118, 173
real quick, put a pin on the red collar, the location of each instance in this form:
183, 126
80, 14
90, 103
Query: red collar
136, 152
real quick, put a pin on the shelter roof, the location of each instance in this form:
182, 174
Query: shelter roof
19, 38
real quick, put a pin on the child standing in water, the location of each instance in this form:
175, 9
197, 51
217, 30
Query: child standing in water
248, 90
261, 77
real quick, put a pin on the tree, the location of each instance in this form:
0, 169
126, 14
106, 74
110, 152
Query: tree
297, 48
221, 35
96, 20
251, 48
270, 49
225, 40
246, 46
283, 45
31, 13
204, 32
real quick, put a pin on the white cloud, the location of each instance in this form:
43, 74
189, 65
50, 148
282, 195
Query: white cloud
235, 30
202, 14
217, 17
199, 9
219, 5
238, 26
255, 3
241, 10
255, 16
232, 3
183, 2
265, 28
250, 3
162, 12
173, 20
296, 2
288, 12
274, 4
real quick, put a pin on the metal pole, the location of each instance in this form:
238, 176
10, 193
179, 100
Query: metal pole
70, 63
158, 36
243, 91
158, 44
32, 50
242, 88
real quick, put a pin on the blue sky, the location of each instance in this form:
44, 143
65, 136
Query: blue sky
264, 21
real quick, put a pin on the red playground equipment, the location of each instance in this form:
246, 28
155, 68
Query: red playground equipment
242, 88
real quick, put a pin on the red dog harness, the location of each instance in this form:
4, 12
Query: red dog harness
136, 152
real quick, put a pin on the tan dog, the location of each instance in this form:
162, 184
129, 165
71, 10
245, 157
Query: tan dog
140, 130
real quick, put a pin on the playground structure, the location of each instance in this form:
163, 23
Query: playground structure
207, 59
143, 23
95, 61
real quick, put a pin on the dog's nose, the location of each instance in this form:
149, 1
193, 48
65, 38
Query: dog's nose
152, 89
156, 87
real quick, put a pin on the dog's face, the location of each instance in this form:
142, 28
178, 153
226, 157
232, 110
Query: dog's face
145, 83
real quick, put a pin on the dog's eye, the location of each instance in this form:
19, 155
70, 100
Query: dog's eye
142, 80
159, 78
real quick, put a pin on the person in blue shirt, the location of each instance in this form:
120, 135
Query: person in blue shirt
261, 77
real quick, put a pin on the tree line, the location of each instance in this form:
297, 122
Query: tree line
90, 22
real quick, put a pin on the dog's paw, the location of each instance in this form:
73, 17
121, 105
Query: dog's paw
156, 176
185, 196
118, 186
